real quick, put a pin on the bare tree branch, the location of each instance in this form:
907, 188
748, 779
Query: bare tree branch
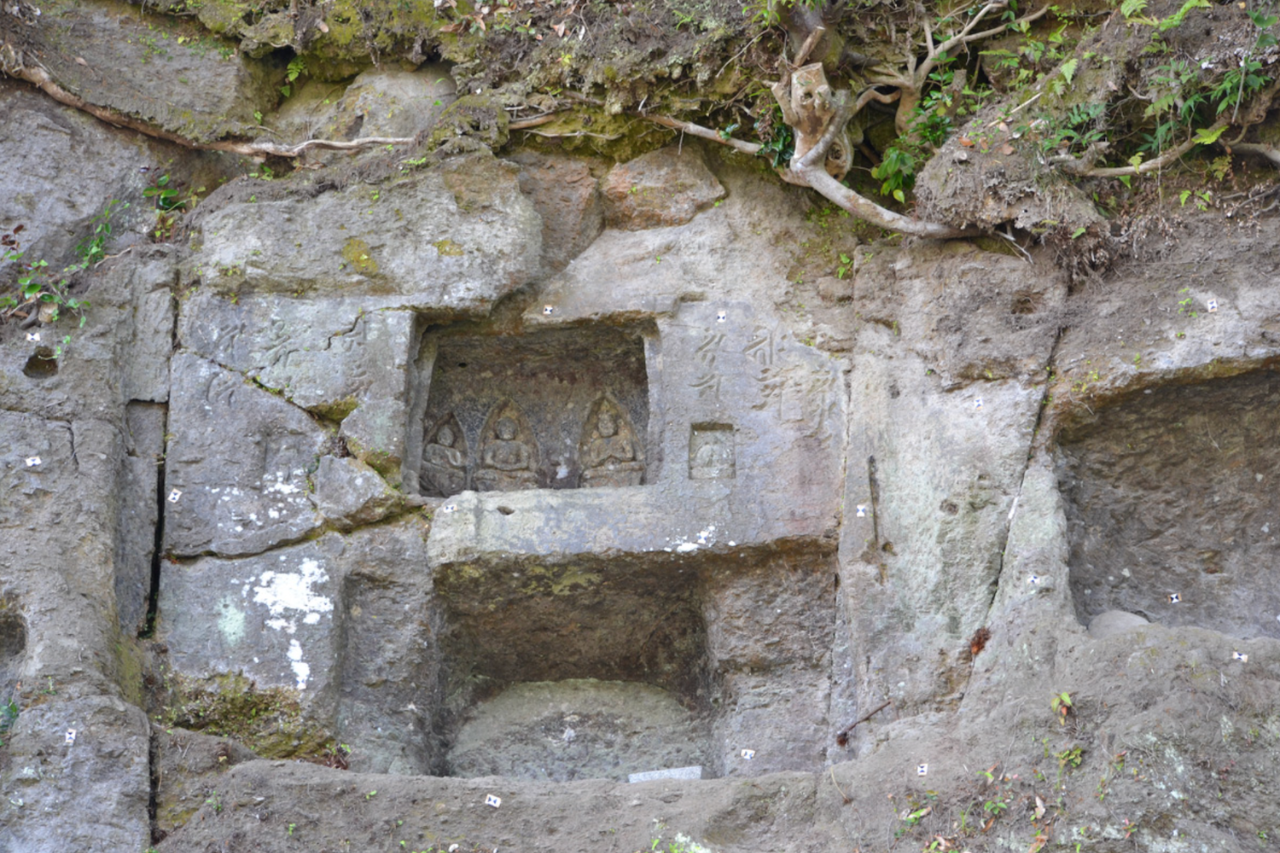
1085, 168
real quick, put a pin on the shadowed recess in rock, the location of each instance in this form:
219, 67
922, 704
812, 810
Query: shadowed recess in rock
732, 649
1172, 506
13, 645
557, 410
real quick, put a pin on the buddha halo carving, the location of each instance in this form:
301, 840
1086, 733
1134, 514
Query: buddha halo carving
444, 459
508, 455
609, 452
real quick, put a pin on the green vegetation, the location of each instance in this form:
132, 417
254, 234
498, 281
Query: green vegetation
8, 716
1062, 706
41, 297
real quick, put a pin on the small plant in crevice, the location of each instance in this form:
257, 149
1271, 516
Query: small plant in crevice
8, 716
39, 297
171, 203
297, 68
1062, 706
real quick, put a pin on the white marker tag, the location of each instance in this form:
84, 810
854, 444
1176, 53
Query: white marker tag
1243, 658
174, 495
1033, 580
1174, 598
449, 508
71, 736
862, 510
977, 404
548, 310
748, 754
1213, 306
33, 337
33, 461
491, 800
922, 769
722, 316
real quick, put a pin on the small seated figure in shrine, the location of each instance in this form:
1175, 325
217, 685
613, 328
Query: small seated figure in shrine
444, 468
609, 458
507, 463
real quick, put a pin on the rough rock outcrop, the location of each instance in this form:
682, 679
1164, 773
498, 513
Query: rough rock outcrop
472, 506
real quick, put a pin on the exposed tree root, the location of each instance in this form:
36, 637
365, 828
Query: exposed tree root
910, 81
1263, 149
818, 117
40, 78
1083, 166
703, 133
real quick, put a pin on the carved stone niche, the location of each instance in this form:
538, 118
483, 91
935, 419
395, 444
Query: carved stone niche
557, 409
711, 452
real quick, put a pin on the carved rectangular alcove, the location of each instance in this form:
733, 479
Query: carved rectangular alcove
711, 452
599, 667
1171, 505
558, 409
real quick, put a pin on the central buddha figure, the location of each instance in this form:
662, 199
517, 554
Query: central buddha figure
508, 460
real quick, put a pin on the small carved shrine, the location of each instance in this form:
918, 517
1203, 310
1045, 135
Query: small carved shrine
711, 454
557, 409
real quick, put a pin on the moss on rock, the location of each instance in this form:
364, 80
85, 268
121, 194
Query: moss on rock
270, 720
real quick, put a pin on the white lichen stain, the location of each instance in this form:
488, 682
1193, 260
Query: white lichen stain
280, 485
283, 591
300, 669
285, 595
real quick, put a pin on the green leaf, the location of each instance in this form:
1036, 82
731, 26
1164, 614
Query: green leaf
1078, 232
844, 259
1129, 8
1208, 136
1176, 19
900, 196
1069, 69
1183, 196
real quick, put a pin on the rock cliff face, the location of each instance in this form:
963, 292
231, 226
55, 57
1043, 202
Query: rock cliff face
407, 503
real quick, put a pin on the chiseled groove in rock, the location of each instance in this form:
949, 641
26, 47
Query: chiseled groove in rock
1033, 442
